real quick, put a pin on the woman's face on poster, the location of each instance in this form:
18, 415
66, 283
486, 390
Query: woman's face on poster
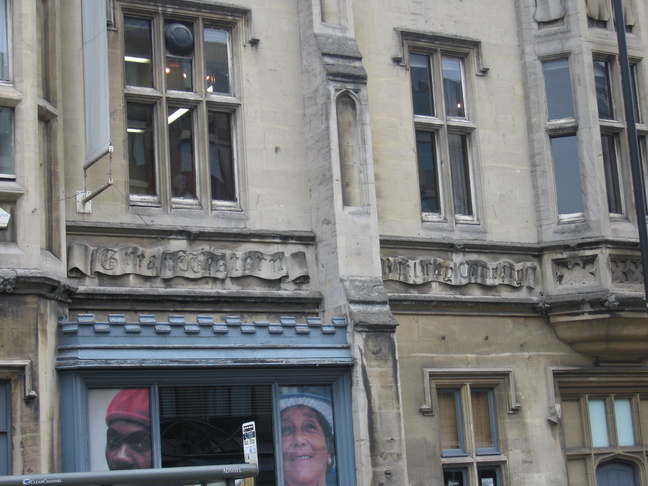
304, 447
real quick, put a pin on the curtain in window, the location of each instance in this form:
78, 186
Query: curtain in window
549, 10
449, 419
598, 10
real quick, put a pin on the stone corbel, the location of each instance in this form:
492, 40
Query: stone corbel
25, 366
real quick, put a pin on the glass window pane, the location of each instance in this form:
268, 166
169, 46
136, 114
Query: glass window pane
611, 174
564, 151
453, 87
598, 423
635, 94
6, 141
138, 52
454, 477
488, 476
420, 74
624, 423
428, 172
5, 428
460, 174
483, 419
4, 42
142, 171
558, 89
217, 72
450, 421
201, 425
221, 157
603, 90
181, 152
179, 56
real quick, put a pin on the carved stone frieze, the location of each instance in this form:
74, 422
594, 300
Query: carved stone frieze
626, 270
158, 262
458, 272
576, 271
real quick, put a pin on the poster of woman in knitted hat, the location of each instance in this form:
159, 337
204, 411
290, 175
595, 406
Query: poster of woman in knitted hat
120, 429
307, 436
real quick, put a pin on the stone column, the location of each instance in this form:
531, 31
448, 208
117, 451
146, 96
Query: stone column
344, 218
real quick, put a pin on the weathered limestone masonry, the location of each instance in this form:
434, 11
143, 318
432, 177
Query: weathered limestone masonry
345, 222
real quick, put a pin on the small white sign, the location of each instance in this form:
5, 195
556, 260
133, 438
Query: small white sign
4, 218
250, 443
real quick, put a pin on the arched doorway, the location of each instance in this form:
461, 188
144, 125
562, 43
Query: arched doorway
616, 473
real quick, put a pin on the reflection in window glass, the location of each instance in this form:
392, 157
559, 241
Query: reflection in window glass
460, 173
201, 425
217, 61
138, 52
141, 154
221, 157
178, 67
181, 153
420, 73
4, 42
6, 141
558, 89
450, 422
608, 143
453, 87
564, 151
624, 425
598, 423
603, 89
428, 172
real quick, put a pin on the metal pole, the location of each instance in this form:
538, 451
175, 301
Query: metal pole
633, 141
172, 475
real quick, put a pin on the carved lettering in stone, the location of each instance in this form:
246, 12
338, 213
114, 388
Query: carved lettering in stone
157, 262
576, 271
463, 272
626, 270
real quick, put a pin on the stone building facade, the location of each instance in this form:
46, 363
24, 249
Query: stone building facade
420, 212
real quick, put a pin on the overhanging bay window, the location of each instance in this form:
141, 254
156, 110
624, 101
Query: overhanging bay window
181, 107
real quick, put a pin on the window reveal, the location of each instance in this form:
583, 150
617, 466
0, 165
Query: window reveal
179, 128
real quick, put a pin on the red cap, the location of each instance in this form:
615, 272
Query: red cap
130, 404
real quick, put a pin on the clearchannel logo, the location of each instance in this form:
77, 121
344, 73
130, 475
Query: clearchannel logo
42, 481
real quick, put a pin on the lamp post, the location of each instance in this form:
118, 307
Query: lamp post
633, 141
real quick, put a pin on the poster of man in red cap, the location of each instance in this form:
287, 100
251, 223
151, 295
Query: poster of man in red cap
120, 429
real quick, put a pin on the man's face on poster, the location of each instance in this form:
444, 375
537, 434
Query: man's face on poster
128, 445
